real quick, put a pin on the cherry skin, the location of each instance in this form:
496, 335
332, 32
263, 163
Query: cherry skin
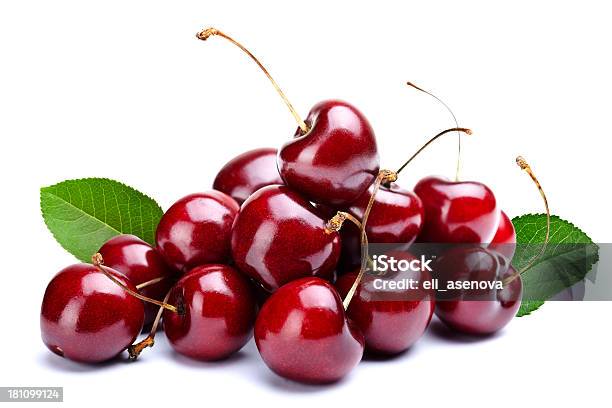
302, 333
247, 173
140, 263
196, 230
457, 212
336, 160
391, 322
279, 236
504, 241
216, 312
86, 317
396, 215
477, 312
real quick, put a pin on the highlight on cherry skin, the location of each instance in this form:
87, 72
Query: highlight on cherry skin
88, 318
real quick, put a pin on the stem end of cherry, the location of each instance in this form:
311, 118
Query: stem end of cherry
207, 33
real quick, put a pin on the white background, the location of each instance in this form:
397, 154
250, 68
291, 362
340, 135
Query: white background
123, 90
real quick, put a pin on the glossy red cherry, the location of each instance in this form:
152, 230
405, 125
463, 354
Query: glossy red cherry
504, 241
457, 212
196, 230
396, 215
479, 311
302, 333
86, 317
247, 173
279, 236
140, 263
336, 160
390, 320
216, 312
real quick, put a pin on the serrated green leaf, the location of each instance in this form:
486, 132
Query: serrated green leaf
83, 214
528, 306
568, 257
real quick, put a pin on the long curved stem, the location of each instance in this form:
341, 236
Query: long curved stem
522, 163
209, 32
384, 176
457, 171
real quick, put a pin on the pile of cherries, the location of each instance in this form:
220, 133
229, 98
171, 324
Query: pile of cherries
256, 256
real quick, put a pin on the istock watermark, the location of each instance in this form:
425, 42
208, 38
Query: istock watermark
384, 263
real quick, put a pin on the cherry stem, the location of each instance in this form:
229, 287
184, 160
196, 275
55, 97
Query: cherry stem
456, 125
522, 163
456, 129
336, 222
98, 262
135, 349
209, 32
383, 177
151, 282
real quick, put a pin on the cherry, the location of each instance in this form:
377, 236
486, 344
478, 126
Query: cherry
396, 215
86, 317
476, 312
457, 212
504, 241
279, 236
390, 322
302, 333
216, 310
247, 173
486, 313
196, 230
141, 264
333, 157
336, 160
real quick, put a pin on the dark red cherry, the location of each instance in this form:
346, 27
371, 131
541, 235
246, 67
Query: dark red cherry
279, 236
302, 333
396, 215
141, 263
504, 241
216, 312
478, 311
456, 212
391, 320
247, 173
87, 317
196, 230
336, 161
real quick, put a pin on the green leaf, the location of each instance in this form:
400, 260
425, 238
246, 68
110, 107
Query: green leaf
83, 214
568, 257
528, 306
